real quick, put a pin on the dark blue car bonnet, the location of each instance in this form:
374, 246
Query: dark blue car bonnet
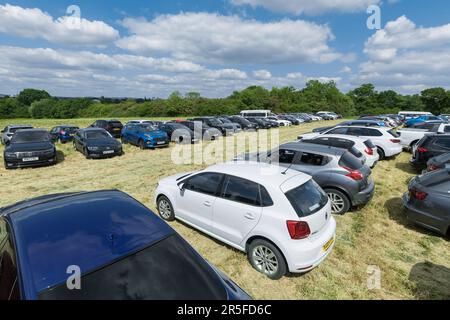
86, 230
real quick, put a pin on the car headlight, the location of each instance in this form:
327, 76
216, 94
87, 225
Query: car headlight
93, 148
10, 154
149, 137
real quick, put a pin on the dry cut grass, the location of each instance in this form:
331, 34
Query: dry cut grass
414, 263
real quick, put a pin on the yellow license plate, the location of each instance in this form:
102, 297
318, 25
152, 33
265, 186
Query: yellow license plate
328, 245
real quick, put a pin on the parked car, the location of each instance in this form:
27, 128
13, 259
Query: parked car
420, 119
282, 220
428, 201
438, 162
64, 133
121, 249
244, 123
114, 127
260, 124
179, 133
281, 122
9, 131
430, 146
141, 122
96, 143
29, 148
363, 149
225, 128
146, 136
289, 118
386, 140
236, 126
327, 115
344, 177
410, 136
353, 123
271, 123
206, 131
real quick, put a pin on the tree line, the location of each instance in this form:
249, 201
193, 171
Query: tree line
316, 96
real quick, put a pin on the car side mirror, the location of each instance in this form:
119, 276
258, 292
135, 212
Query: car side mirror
182, 186
447, 167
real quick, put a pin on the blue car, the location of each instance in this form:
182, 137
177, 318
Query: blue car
64, 133
146, 136
421, 119
100, 245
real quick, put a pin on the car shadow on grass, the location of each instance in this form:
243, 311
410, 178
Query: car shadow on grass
397, 212
407, 168
60, 156
431, 281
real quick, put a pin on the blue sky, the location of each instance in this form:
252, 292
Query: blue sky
152, 48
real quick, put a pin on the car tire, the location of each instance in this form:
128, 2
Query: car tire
86, 153
123, 140
267, 259
165, 208
381, 153
141, 144
340, 203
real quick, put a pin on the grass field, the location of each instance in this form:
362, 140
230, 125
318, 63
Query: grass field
414, 263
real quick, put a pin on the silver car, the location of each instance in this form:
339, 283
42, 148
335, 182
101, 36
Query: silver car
9, 131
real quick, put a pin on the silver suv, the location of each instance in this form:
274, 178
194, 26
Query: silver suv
10, 130
343, 177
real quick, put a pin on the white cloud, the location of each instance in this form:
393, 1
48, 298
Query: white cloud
213, 38
346, 69
262, 74
36, 24
406, 57
309, 7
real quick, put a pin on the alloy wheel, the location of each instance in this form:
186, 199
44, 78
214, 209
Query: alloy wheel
165, 209
265, 260
337, 202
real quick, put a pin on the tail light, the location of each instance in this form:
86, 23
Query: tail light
395, 140
432, 167
369, 151
298, 229
354, 174
422, 150
417, 194
62, 132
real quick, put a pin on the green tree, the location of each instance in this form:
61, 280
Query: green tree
28, 96
436, 100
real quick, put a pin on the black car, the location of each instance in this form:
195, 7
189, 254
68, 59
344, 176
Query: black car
428, 201
225, 128
179, 133
272, 123
237, 127
29, 148
112, 126
259, 124
96, 143
438, 162
430, 146
206, 131
244, 123
292, 119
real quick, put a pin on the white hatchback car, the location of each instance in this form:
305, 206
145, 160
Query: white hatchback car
280, 218
386, 140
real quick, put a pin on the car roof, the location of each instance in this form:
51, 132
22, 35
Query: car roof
87, 229
33, 130
14, 126
308, 147
264, 174
364, 127
91, 129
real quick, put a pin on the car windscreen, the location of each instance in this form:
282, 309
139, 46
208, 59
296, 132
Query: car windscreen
348, 160
94, 135
147, 128
167, 270
369, 144
115, 124
70, 129
307, 199
30, 136
394, 133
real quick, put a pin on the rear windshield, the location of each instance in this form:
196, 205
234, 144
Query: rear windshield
70, 129
355, 152
97, 135
30, 136
369, 144
350, 161
115, 124
307, 199
168, 270
394, 133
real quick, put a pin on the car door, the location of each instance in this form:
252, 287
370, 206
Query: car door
77, 141
54, 133
340, 130
196, 199
237, 210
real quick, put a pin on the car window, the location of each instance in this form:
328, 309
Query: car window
307, 199
158, 272
206, 183
241, 190
9, 286
286, 156
30, 136
348, 160
312, 159
357, 131
443, 142
446, 128
338, 131
266, 200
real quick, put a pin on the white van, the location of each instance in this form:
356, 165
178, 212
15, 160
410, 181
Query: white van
256, 113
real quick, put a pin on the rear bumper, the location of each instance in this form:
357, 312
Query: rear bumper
423, 218
14, 163
393, 151
365, 195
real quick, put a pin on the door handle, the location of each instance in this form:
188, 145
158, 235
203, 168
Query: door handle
249, 216
207, 204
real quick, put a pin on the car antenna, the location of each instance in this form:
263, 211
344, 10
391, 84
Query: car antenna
287, 169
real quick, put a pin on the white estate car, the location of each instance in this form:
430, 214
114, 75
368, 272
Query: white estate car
365, 146
410, 136
281, 122
280, 218
386, 140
